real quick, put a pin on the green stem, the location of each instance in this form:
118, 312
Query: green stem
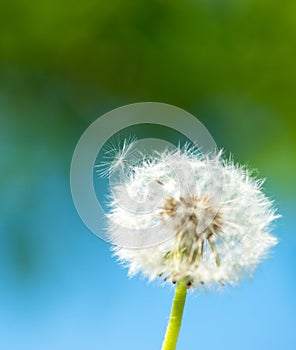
173, 328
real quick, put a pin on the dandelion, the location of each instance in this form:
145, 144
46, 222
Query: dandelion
209, 217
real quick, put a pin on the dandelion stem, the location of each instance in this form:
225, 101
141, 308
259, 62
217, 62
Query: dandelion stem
173, 328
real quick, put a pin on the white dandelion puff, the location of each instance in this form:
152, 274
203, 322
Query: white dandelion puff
213, 213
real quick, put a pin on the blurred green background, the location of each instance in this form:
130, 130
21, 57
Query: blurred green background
63, 64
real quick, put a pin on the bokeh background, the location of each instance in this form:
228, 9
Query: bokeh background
63, 64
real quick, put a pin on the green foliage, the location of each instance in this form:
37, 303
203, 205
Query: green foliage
232, 63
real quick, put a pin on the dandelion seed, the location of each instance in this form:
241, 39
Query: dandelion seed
116, 156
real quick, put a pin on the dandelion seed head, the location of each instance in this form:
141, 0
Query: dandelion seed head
213, 216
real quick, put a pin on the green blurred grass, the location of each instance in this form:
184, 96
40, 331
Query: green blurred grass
231, 63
